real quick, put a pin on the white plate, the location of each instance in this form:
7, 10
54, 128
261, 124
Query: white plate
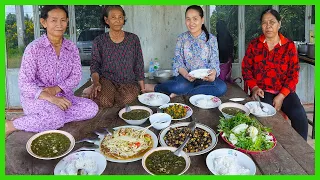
242, 159
189, 110
198, 125
98, 158
154, 138
154, 99
70, 137
255, 109
237, 99
199, 73
196, 98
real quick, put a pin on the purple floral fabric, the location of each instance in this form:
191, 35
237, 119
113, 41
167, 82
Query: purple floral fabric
41, 68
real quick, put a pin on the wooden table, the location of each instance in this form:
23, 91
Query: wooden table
292, 155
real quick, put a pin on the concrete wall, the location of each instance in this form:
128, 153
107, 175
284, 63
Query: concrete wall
158, 28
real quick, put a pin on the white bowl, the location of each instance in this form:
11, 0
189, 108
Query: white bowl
68, 135
183, 154
160, 117
235, 105
135, 122
242, 159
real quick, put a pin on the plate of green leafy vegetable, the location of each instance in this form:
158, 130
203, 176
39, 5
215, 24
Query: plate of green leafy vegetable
246, 134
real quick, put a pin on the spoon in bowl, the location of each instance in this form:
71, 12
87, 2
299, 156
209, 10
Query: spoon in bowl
128, 109
263, 108
192, 127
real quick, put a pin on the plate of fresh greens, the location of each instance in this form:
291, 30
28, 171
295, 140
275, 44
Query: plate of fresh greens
246, 134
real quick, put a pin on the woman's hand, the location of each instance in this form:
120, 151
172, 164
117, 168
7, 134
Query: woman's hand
189, 77
277, 101
211, 77
52, 90
61, 102
95, 89
256, 91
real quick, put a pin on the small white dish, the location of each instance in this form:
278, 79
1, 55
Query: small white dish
135, 122
199, 73
188, 108
94, 163
234, 105
160, 117
256, 110
154, 99
196, 101
237, 99
242, 160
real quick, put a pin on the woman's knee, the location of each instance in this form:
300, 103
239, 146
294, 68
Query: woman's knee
93, 109
220, 87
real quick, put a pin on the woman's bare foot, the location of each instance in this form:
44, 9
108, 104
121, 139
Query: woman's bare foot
10, 128
172, 95
149, 87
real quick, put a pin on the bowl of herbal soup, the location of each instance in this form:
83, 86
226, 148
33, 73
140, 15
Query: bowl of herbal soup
50, 144
137, 116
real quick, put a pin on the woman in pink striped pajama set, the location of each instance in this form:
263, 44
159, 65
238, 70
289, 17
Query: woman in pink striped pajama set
50, 70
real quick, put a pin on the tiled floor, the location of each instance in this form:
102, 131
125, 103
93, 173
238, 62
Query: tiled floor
308, 107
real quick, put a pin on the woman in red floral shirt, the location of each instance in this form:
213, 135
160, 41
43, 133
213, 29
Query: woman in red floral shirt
270, 67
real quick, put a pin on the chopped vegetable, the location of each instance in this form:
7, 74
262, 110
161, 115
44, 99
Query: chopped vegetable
254, 138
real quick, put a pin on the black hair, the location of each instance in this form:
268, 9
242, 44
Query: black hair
273, 12
200, 10
107, 9
46, 9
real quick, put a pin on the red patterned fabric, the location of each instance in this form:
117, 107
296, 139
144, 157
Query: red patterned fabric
273, 71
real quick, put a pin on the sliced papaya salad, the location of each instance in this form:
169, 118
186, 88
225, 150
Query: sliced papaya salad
246, 133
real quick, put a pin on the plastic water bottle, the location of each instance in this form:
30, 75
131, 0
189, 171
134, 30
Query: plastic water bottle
151, 69
156, 65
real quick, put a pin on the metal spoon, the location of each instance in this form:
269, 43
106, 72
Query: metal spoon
159, 110
263, 108
88, 140
128, 109
191, 126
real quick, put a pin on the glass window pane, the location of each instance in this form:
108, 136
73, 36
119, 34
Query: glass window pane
293, 22
14, 48
89, 26
252, 22
228, 14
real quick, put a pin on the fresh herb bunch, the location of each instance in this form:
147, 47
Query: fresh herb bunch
262, 140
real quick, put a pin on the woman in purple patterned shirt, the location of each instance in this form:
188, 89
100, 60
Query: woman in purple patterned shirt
50, 70
195, 49
117, 67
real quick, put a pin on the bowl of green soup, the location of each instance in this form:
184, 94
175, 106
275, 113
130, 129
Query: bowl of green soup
162, 161
230, 109
137, 116
50, 144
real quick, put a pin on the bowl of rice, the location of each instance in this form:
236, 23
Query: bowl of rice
227, 161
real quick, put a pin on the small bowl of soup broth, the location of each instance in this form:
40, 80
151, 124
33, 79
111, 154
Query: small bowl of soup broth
137, 116
230, 109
